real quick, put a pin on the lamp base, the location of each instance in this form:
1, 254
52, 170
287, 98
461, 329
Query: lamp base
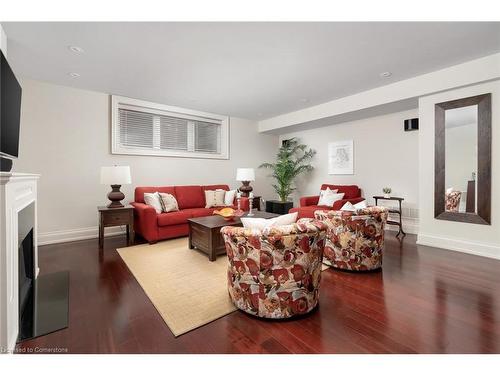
115, 196
245, 189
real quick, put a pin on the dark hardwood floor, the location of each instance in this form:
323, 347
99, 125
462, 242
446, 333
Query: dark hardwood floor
425, 300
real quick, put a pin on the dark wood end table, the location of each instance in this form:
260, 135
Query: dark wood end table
256, 203
393, 211
204, 232
112, 217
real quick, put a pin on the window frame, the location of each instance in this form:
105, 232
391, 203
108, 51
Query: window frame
118, 102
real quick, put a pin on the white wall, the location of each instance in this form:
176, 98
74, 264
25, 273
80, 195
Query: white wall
384, 155
65, 136
471, 238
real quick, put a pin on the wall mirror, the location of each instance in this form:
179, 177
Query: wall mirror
463, 160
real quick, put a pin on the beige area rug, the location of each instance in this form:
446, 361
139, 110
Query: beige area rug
185, 287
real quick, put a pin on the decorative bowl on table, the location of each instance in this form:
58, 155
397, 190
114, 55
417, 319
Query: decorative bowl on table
228, 213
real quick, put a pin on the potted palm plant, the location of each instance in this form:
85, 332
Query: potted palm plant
292, 160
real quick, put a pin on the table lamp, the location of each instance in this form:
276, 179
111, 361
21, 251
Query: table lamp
245, 175
116, 177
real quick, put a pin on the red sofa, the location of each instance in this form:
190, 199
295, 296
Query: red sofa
352, 193
191, 201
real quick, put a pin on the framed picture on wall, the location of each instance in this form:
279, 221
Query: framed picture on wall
341, 157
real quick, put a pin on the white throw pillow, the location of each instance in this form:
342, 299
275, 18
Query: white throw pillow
153, 200
229, 197
327, 191
328, 198
285, 219
348, 206
256, 222
261, 224
169, 203
324, 196
360, 205
214, 198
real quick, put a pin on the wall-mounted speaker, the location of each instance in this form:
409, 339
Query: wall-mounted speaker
411, 124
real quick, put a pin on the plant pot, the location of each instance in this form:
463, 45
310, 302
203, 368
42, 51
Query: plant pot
278, 207
387, 195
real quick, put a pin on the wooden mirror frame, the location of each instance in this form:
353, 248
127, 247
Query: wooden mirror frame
483, 215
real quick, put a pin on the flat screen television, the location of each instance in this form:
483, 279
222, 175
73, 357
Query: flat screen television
10, 111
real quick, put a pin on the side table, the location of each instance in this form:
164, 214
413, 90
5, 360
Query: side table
112, 217
256, 202
393, 211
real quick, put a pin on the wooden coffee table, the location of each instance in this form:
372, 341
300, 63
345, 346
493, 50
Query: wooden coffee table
204, 232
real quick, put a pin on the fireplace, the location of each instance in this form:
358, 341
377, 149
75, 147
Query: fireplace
43, 300
31, 304
26, 263
18, 253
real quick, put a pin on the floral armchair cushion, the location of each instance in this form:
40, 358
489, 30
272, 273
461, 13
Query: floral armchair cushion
275, 273
355, 240
452, 201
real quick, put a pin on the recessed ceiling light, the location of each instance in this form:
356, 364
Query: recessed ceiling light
304, 100
76, 49
74, 75
385, 74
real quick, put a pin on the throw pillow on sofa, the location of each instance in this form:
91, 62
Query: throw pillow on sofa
229, 197
353, 207
261, 224
329, 197
153, 200
214, 198
328, 191
360, 205
348, 206
169, 203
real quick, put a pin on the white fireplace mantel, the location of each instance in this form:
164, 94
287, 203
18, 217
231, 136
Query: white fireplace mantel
17, 191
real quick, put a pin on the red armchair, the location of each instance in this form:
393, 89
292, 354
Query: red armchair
191, 200
352, 193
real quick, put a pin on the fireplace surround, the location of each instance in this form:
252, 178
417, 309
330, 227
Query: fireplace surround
31, 305
18, 218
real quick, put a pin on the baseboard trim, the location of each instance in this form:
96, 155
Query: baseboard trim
469, 247
410, 225
60, 236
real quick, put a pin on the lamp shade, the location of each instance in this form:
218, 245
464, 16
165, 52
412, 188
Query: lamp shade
245, 174
116, 175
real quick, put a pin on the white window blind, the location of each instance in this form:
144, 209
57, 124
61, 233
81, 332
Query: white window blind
207, 137
136, 129
142, 128
173, 133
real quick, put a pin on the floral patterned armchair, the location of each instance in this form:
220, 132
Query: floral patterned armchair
275, 273
355, 240
452, 200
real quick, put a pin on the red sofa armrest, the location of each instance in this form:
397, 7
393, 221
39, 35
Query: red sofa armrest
338, 204
309, 201
145, 221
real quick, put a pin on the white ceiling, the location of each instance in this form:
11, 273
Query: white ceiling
251, 70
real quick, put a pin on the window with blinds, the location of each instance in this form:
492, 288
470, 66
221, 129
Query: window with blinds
142, 128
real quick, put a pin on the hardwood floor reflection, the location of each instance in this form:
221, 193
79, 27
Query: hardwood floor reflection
425, 300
